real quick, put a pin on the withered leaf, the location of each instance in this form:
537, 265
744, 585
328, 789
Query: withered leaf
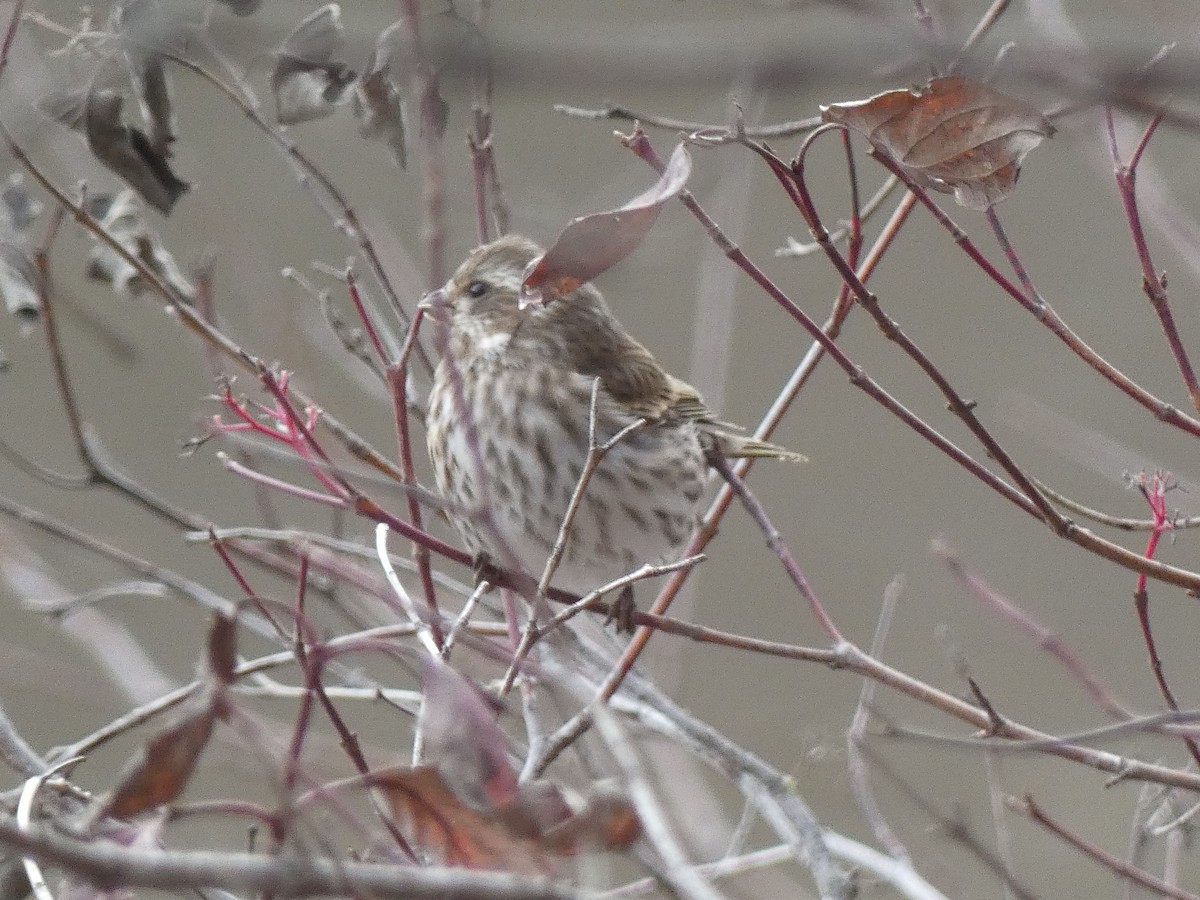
538, 806
440, 824
129, 152
222, 648
164, 766
309, 79
122, 218
379, 108
591, 244
463, 739
954, 135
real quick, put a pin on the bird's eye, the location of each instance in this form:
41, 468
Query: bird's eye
477, 289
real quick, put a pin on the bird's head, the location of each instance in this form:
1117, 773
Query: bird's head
481, 303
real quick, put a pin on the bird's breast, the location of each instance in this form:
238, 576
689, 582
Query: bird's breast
517, 438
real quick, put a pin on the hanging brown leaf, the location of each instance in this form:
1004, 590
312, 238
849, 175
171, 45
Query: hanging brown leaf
309, 79
162, 770
463, 738
954, 135
379, 107
592, 244
129, 152
443, 826
222, 648
124, 221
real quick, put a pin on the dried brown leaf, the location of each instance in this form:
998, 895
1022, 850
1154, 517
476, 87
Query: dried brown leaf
445, 827
463, 739
607, 822
163, 768
537, 807
954, 135
222, 648
592, 244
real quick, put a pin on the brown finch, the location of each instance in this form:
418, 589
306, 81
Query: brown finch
509, 428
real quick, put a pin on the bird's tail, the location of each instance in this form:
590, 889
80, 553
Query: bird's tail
737, 446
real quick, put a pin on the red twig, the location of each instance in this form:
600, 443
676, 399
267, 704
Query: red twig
364, 315
1154, 284
1029, 808
1155, 493
1161, 410
776, 542
1046, 639
398, 381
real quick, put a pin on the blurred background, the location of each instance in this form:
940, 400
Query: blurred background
861, 512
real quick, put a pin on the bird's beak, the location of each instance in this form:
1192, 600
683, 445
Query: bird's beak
434, 303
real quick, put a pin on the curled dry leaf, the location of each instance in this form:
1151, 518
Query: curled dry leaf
591, 244
161, 771
442, 825
607, 821
467, 808
463, 738
309, 79
122, 218
954, 135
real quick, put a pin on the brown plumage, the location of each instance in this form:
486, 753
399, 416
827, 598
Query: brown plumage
508, 428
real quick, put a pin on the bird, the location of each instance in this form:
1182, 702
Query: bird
520, 397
